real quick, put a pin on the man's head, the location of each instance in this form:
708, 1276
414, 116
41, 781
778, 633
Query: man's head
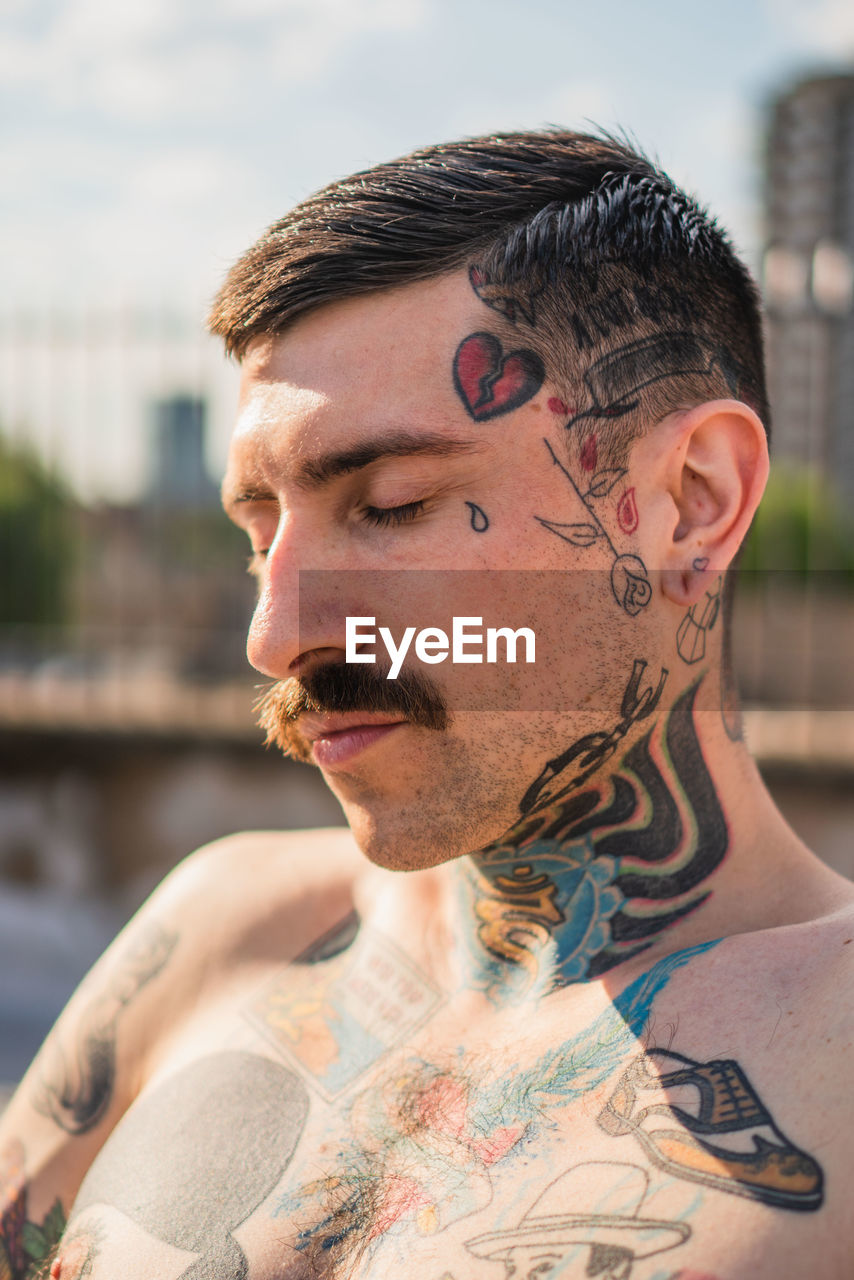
527, 353
576, 241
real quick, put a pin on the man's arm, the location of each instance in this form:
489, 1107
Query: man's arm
246, 900
82, 1081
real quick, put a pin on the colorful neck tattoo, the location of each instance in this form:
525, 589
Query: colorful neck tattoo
585, 884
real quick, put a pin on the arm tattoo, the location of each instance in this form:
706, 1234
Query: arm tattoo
27, 1247
75, 1254
75, 1089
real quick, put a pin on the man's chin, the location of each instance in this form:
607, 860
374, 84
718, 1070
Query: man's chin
401, 855
426, 800
401, 839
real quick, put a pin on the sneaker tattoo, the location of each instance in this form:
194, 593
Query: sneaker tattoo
705, 1122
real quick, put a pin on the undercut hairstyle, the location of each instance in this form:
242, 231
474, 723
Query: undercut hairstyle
627, 289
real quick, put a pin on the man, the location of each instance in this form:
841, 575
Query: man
510, 387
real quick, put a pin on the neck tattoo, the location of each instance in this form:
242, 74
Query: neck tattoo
584, 885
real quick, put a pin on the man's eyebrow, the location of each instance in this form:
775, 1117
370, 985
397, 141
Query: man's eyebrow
232, 498
312, 472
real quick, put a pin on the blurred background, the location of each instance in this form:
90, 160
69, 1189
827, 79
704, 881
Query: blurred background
143, 146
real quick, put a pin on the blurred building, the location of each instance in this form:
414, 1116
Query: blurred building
179, 475
808, 275
161, 584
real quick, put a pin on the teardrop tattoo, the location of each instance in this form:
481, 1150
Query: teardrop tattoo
479, 518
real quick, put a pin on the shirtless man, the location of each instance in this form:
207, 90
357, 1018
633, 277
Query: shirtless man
569, 999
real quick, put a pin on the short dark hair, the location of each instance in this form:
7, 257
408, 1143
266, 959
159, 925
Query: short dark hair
577, 238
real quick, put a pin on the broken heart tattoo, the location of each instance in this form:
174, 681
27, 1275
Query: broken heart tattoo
490, 382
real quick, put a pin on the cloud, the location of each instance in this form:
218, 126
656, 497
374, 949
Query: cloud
581, 104
820, 26
81, 220
151, 61
187, 176
316, 31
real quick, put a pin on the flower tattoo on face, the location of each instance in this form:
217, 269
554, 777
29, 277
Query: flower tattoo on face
629, 579
630, 584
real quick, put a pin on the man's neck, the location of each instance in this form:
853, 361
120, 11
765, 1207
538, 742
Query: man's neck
597, 877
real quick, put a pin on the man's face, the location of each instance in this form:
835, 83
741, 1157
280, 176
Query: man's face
533, 1262
563, 1262
361, 451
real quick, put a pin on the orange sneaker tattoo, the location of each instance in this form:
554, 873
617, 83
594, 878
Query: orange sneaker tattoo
704, 1121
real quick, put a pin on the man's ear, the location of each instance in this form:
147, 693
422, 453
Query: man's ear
712, 463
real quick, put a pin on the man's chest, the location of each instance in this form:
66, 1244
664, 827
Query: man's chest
350, 1120
444, 1173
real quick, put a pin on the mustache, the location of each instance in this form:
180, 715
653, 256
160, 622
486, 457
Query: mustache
338, 687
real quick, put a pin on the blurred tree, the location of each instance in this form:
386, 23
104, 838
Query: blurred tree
801, 530
36, 540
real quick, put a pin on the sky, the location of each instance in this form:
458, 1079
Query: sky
145, 143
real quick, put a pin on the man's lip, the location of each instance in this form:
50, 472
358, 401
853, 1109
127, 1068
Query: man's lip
314, 727
333, 748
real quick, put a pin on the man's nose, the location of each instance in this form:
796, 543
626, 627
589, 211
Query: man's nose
296, 624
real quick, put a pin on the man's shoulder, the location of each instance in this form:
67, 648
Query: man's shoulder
230, 912
781, 1000
799, 962
312, 854
820, 963
814, 953
284, 884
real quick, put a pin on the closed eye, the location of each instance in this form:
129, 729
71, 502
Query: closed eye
384, 516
